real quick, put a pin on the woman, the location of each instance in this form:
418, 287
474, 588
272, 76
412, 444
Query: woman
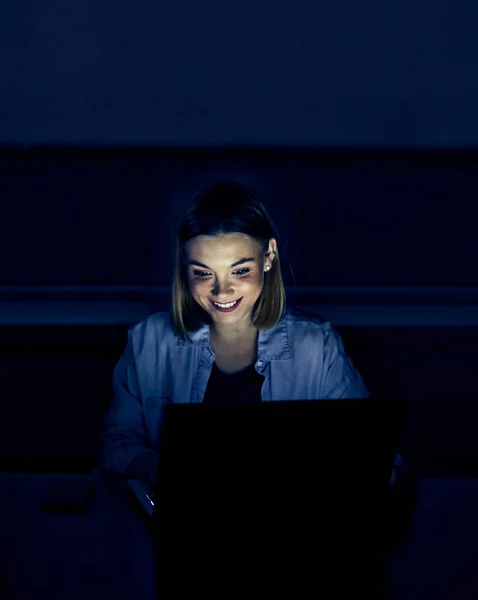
228, 337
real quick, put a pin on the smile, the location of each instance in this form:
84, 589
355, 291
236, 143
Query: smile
227, 307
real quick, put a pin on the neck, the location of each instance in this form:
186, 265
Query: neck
234, 337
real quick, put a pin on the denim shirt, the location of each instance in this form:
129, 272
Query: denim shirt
302, 358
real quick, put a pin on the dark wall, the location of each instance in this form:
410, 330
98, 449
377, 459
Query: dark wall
335, 72
357, 218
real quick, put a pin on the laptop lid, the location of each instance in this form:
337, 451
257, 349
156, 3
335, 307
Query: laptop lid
276, 469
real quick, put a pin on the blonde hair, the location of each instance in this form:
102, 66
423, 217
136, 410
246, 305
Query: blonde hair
221, 208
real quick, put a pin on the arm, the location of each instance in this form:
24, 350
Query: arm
125, 448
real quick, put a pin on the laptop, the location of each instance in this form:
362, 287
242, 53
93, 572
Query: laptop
275, 471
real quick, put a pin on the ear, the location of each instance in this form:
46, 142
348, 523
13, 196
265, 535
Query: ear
272, 247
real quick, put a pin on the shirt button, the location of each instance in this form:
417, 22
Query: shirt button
259, 364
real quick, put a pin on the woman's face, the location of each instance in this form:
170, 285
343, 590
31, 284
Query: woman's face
215, 276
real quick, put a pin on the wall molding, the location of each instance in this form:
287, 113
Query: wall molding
124, 305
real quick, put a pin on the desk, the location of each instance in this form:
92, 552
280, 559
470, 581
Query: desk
108, 551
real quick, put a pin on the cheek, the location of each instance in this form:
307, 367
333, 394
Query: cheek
197, 287
252, 285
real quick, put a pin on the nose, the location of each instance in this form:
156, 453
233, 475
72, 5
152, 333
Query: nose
222, 289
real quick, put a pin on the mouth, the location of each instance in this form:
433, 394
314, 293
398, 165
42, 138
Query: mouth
226, 310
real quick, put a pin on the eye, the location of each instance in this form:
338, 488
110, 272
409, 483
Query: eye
243, 272
204, 274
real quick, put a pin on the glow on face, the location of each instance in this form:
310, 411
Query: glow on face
224, 269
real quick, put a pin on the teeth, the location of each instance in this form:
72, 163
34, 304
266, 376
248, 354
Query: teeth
225, 305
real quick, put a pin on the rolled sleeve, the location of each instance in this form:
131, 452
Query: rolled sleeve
124, 435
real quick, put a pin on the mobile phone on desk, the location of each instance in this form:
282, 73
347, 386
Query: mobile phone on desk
68, 495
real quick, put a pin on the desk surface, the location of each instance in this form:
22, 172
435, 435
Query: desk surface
105, 552
109, 552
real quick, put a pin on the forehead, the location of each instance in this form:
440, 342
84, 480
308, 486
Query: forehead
226, 246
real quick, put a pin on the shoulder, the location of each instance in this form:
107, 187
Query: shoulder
158, 321
311, 333
308, 324
149, 330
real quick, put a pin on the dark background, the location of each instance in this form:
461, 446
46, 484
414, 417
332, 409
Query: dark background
330, 73
357, 125
98, 216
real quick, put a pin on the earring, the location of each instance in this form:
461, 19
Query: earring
268, 267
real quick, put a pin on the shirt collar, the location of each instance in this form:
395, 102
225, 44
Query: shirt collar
273, 344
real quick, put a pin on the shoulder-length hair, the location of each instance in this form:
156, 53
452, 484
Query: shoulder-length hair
225, 207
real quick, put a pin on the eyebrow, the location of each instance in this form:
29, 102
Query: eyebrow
239, 262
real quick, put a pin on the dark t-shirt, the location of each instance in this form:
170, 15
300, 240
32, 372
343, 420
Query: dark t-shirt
235, 388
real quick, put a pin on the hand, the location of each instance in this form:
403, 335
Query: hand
144, 466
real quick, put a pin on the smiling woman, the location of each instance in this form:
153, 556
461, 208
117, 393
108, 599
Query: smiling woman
228, 337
